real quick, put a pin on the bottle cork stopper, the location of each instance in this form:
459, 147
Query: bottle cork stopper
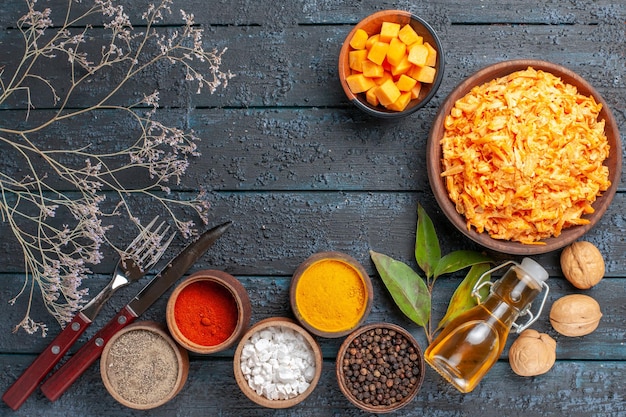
534, 270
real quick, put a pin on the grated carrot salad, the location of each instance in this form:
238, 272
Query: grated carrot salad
523, 156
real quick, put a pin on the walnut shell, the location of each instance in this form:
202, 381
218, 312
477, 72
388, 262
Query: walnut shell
582, 264
575, 315
532, 353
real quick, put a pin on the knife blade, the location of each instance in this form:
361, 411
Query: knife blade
71, 370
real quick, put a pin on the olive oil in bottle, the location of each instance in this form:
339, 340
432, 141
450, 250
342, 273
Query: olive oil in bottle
470, 345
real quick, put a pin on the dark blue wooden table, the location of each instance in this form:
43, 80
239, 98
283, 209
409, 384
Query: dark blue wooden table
300, 170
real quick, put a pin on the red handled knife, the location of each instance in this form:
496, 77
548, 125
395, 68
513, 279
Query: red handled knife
69, 372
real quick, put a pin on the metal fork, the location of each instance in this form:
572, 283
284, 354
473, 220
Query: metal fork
140, 256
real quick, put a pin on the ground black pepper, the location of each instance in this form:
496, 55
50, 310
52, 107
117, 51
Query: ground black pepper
142, 367
381, 368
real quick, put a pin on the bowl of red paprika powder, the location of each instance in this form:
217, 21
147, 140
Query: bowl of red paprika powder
208, 312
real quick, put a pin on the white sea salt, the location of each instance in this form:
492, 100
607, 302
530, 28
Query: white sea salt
278, 363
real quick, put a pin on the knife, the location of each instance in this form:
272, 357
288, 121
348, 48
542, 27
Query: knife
69, 372
126, 271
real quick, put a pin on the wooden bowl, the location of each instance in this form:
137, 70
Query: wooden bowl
265, 325
333, 295
371, 25
142, 367
203, 312
351, 348
434, 155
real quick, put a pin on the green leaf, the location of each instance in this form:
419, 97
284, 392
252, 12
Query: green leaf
407, 288
457, 260
462, 299
427, 249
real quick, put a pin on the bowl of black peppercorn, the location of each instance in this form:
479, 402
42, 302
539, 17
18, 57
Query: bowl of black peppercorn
380, 367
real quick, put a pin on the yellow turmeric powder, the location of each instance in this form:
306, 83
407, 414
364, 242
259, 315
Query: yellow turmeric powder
331, 295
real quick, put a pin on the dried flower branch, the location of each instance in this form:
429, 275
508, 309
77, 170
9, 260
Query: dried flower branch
57, 258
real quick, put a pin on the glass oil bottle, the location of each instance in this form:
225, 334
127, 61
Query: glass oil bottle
470, 345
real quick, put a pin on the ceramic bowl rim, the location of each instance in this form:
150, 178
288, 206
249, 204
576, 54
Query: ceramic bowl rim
237, 292
433, 156
182, 359
339, 368
414, 106
336, 256
241, 380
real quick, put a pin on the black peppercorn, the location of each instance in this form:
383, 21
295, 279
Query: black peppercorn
381, 367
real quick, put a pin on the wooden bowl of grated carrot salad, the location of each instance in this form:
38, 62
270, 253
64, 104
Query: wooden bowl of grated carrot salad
524, 157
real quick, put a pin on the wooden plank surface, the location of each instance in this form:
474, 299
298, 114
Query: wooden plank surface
277, 14
300, 170
266, 78
275, 231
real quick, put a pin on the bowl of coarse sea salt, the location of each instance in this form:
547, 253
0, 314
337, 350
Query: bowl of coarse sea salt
277, 363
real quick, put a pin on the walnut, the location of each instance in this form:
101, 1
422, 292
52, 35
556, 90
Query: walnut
575, 315
582, 264
532, 353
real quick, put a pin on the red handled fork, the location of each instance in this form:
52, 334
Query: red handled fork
140, 256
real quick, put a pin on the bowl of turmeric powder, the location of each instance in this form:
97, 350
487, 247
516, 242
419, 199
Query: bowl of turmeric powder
208, 312
331, 294
391, 64
524, 157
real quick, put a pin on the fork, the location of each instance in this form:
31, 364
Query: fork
133, 264
140, 256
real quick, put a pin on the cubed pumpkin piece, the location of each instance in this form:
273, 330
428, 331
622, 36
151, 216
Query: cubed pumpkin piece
372, 70
418, 55
359, 83
405, 83
388, 31
424, 74
359, 39
386, 65
431, 60
401, 103
387, 93
402, 68
370, 97
408, 35
396, 52
356, 59
415, 91
371, 41
419, 41
386, 76
378, 52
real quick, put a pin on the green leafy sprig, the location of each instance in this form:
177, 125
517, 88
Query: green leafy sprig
412, 293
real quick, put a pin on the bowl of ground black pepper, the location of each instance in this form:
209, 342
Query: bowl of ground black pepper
142, 367
380, 367
208, 312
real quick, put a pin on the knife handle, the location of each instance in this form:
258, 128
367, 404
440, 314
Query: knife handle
43, 364
69, 372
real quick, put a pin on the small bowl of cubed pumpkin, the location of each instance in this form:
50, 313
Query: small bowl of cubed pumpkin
391, 64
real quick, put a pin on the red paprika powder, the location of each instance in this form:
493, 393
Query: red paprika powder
206, 313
